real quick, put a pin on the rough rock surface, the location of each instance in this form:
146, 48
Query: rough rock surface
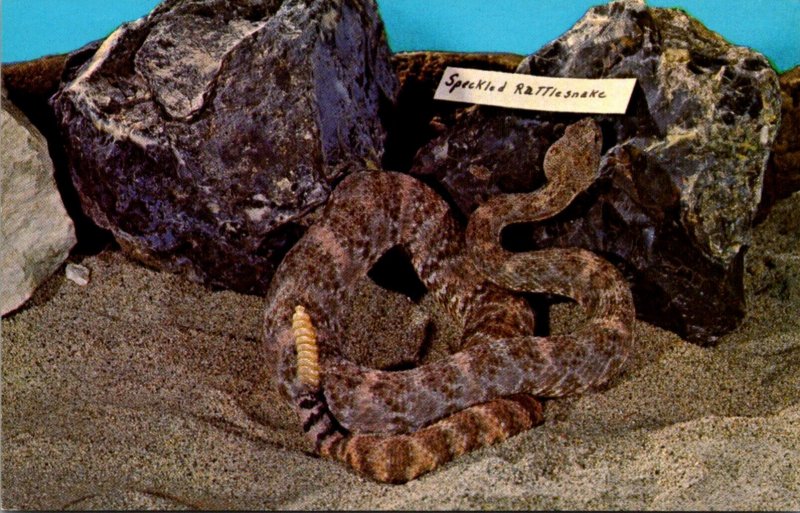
419, 118
205, 135
783, 174
682, 172
30, 85
36, 234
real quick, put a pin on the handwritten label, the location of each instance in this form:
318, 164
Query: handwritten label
518, 91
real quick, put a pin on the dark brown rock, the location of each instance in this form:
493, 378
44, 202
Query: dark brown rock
206, 135
783, 173
30, 84
419, 118
682, 169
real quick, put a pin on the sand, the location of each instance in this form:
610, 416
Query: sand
144, 390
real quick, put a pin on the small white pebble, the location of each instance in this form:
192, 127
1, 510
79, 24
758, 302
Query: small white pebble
78, 273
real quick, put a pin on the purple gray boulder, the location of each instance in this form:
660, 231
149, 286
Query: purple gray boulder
206, 134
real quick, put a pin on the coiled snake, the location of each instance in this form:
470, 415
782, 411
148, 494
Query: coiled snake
395, 425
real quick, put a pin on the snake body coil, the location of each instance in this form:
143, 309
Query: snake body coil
395, 425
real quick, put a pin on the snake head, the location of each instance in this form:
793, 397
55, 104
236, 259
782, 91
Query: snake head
575, 157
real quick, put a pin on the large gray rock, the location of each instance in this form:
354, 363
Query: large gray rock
782, 178
683, 169
36, 234
205, 135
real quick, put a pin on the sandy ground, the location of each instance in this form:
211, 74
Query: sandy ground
143, 390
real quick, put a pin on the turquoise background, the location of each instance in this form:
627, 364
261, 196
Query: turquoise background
33, 28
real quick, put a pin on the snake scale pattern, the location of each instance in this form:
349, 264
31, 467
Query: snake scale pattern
393, 426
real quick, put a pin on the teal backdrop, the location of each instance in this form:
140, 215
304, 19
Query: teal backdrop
33, 28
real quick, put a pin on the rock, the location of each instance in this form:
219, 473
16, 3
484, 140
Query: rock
30, 85
682, 170
78, 274
419, 118
783, 174
36, 234
206, 135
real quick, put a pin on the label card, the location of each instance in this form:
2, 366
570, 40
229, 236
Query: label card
518, 91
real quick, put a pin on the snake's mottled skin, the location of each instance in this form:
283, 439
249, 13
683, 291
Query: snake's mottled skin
395, 425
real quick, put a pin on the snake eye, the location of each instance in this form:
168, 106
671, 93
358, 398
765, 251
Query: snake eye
305, 340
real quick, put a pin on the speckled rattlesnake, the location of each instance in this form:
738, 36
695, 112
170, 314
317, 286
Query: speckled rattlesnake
396, 425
